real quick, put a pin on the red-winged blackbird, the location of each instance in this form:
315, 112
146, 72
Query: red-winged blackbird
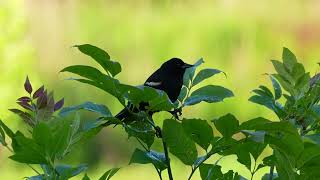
168, 78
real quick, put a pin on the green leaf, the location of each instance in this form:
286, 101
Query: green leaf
189, 73
140, 128
209, 93
179, 143
210, 172
2, 137
204, 74
101, 57
183, 94
143, 157
107, 175
303, 84
42, 136
284, 166
276, 87
6, 129
199, 130
85, 177
61, 139
37, 177
26, 150
289, 59
315, 138
282, 71
109, 85
67, 171
310, 151
267, 176
288, 86
247, 148
86, 71
98, 108
227, 125
213, 172
251, 124
297, 71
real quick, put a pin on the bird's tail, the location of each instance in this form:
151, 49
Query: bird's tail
122, 115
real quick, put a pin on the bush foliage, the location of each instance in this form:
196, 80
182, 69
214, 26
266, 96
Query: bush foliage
293, 138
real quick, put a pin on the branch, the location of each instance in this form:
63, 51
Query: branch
166, 153
271, 173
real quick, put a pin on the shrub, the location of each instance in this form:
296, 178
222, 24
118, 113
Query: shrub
293, 138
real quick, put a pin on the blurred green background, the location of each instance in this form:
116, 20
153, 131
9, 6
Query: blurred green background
236, 36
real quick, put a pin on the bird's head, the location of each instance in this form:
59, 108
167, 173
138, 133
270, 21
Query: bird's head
175, 65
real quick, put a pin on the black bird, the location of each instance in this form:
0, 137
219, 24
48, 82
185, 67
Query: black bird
168, 78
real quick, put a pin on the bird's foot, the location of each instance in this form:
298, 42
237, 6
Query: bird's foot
176, 113
158, 132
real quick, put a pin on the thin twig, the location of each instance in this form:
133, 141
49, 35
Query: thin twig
144, 147
167, 158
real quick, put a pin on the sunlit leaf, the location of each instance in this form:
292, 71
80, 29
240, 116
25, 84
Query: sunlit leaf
204, 74
209, 93
101, 57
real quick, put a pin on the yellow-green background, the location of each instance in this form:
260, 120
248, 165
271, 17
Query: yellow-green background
236, 36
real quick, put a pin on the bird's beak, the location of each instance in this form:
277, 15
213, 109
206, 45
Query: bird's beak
185, 66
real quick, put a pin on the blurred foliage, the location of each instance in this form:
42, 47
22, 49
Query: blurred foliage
235, 36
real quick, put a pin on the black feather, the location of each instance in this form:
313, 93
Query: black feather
170, 79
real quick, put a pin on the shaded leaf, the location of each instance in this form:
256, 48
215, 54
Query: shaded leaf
101, 57
289, 59
199, 130
107, 175
6, 129
143, 157
276, 87
227, 125
98, 108
179, 142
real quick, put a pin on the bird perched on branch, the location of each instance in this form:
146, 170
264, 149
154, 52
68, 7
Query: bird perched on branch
168, 78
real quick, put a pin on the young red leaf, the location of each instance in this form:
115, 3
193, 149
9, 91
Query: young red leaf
28, 86
24, 99
24, 116
25, 105
42, 101
38, 92
59, 104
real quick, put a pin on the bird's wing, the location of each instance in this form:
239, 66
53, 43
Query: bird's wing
154, 80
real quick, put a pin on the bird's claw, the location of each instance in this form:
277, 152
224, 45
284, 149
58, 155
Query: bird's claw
158, 132
176, 113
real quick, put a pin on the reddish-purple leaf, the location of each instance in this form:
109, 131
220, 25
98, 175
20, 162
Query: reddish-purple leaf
27, 85
59, 105
38, 92
42, 101
25, 105
24, 99
24, 116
